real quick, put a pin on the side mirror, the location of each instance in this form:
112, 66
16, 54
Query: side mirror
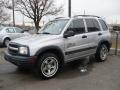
69, 33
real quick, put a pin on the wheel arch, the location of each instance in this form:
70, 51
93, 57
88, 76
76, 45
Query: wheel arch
52, 49
106, 42
6, 38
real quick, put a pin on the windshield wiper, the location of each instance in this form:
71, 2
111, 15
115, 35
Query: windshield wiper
45, 33
38, 33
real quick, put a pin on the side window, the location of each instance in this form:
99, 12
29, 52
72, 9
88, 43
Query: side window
77, 26
103, 24
18, 30
10, 30
92, 25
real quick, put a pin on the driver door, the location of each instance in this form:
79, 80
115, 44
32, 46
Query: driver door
74, 45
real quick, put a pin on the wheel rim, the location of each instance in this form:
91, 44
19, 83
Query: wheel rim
7, 42
49, 66
103, 52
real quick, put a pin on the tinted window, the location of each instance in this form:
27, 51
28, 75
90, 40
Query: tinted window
92, 25
104, 26
18, 30
10, 30
77, 26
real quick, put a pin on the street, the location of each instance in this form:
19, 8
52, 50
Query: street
100, 76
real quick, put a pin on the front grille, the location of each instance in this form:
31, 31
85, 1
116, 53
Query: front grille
13, 48
13, 45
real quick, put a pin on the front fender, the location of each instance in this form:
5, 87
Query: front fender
49, 48
3, 37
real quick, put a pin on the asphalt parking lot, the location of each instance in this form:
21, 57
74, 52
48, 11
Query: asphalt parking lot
100, 76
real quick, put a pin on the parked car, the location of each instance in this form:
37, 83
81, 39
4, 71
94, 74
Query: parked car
26, 31
60, 41
9, 33
1, 26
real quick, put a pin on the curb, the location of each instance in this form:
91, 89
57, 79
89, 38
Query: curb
114, 49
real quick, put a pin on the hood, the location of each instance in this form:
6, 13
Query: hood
36, 38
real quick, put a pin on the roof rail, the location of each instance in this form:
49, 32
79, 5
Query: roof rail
87, 16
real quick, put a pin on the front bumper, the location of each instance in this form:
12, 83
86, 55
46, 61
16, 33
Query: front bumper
24, 61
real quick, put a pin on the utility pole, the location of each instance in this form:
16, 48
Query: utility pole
23, 21
84, 12
13, 5
69, 8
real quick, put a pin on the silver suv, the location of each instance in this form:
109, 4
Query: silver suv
60, 41
9, 33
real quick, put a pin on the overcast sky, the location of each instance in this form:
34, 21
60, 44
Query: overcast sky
108, 9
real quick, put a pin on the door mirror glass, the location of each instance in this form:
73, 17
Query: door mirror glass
69, 33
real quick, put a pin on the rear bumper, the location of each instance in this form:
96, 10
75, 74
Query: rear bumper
20, 60
110, 45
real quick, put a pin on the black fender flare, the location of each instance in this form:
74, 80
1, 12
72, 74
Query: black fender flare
104, 41
47, 48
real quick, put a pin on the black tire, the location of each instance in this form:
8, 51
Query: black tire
98, 55
41, 61
6, 41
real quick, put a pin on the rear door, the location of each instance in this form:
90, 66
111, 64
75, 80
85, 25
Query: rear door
94, 34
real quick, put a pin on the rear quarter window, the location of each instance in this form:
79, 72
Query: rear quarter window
103, 24
18, 30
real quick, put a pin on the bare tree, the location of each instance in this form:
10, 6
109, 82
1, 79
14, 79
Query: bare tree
36, 9
3, 15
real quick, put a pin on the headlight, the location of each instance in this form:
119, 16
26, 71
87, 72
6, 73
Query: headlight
23, 50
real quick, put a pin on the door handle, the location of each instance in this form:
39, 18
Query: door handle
99, 34
84, 36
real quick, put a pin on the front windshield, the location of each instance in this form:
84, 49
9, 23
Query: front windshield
54, 27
